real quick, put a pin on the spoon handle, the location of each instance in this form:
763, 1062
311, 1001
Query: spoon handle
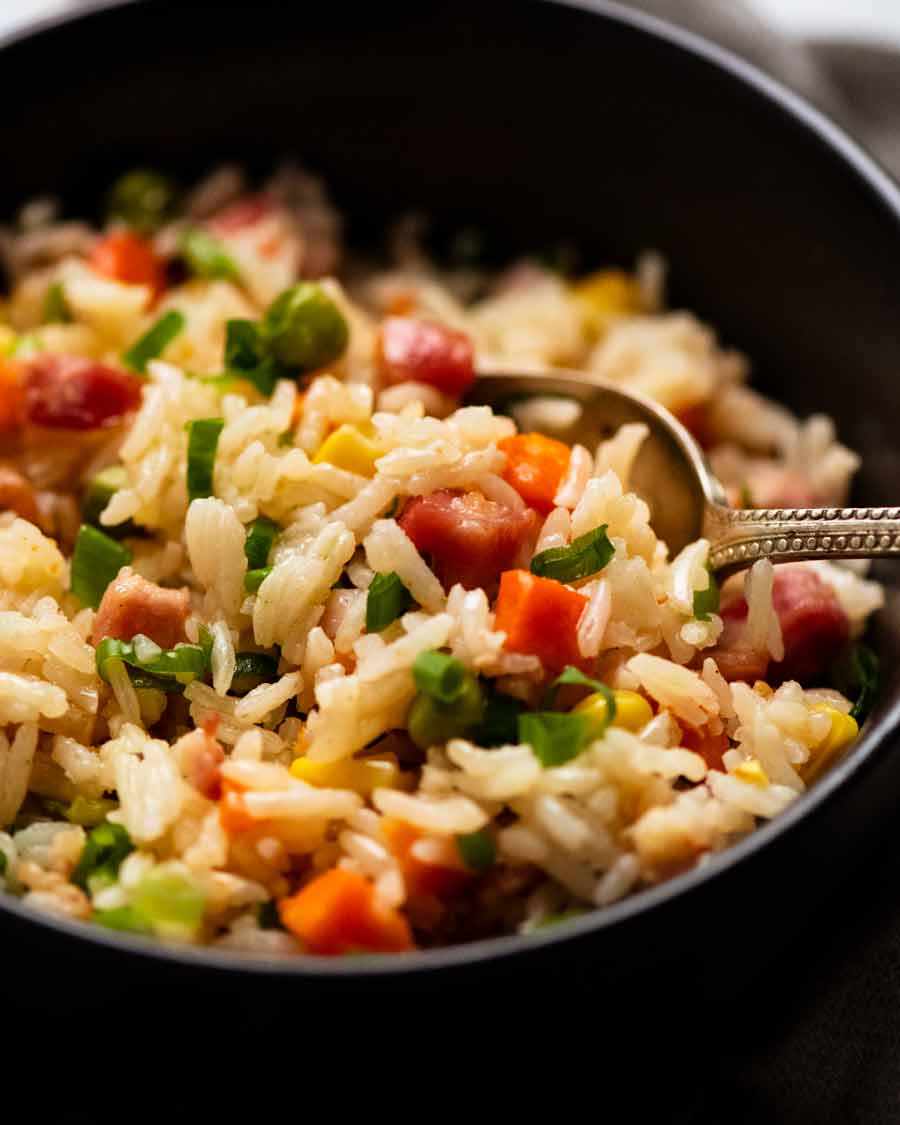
740, 536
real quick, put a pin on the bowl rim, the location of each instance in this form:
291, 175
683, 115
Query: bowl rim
507, 948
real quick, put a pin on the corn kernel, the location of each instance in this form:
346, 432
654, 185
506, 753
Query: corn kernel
632, 711
751, 772
763, 689
605, 295
359, 774
348, 448
844, 729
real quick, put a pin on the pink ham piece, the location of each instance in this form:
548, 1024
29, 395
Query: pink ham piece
471, 539
814, 628
132, 605
69, 392
201, 760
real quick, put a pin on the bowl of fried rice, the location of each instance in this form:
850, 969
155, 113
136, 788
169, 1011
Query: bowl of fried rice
311, 665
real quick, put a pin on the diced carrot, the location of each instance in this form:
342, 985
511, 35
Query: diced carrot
12, 396
535, 467
233, 813
710, 747
125, 256
540, 616
338, 913
422, 879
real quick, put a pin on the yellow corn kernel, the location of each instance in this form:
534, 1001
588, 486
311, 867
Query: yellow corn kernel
763, 689
605, 295
348, 448
751, 772
359, 774
843, 730
632, 710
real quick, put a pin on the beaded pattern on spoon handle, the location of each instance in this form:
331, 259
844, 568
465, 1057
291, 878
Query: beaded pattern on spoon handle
741, 536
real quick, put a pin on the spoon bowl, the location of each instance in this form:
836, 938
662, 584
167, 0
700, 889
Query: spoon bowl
671, 474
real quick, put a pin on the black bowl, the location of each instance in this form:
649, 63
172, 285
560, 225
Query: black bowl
546, 122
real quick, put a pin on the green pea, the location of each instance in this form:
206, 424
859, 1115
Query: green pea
304, 328
143, 198
431, 723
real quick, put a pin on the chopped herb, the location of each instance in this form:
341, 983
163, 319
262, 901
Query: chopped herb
261, 534
706, 602
387, 600
252, 669
184, 663
554, 737
585, 556
431, 722
477, 850
154, 341
55, 308
253, 579
143, 198
171, 901
89, 811
206, 256
857, 674
95, 563
499, 726
268, 916
439, 676
246, 356
203, 439
124, 918
105, 848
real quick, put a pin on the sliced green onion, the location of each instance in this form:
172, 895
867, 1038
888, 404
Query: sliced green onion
154, 341
96, 562
268, 916
123, 918
184, 663
857, 674
98, 493
203, 438
554, 737
572, 675
170, 900
438, 675
706, 602
207, 257
253, 579
477, 850
303, 327
143, 198
55, 309
431, 722
3, 862
585, 556
387, 600
558, 917
252, 669
261, 534
89, 811
105, 848
247, 358
500, 724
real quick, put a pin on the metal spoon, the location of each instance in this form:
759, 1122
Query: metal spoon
686, 501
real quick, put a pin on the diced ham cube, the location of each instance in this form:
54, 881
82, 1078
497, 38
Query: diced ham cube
132, 605
471, 539
75, 393
201, 761
814, 628
421, 351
